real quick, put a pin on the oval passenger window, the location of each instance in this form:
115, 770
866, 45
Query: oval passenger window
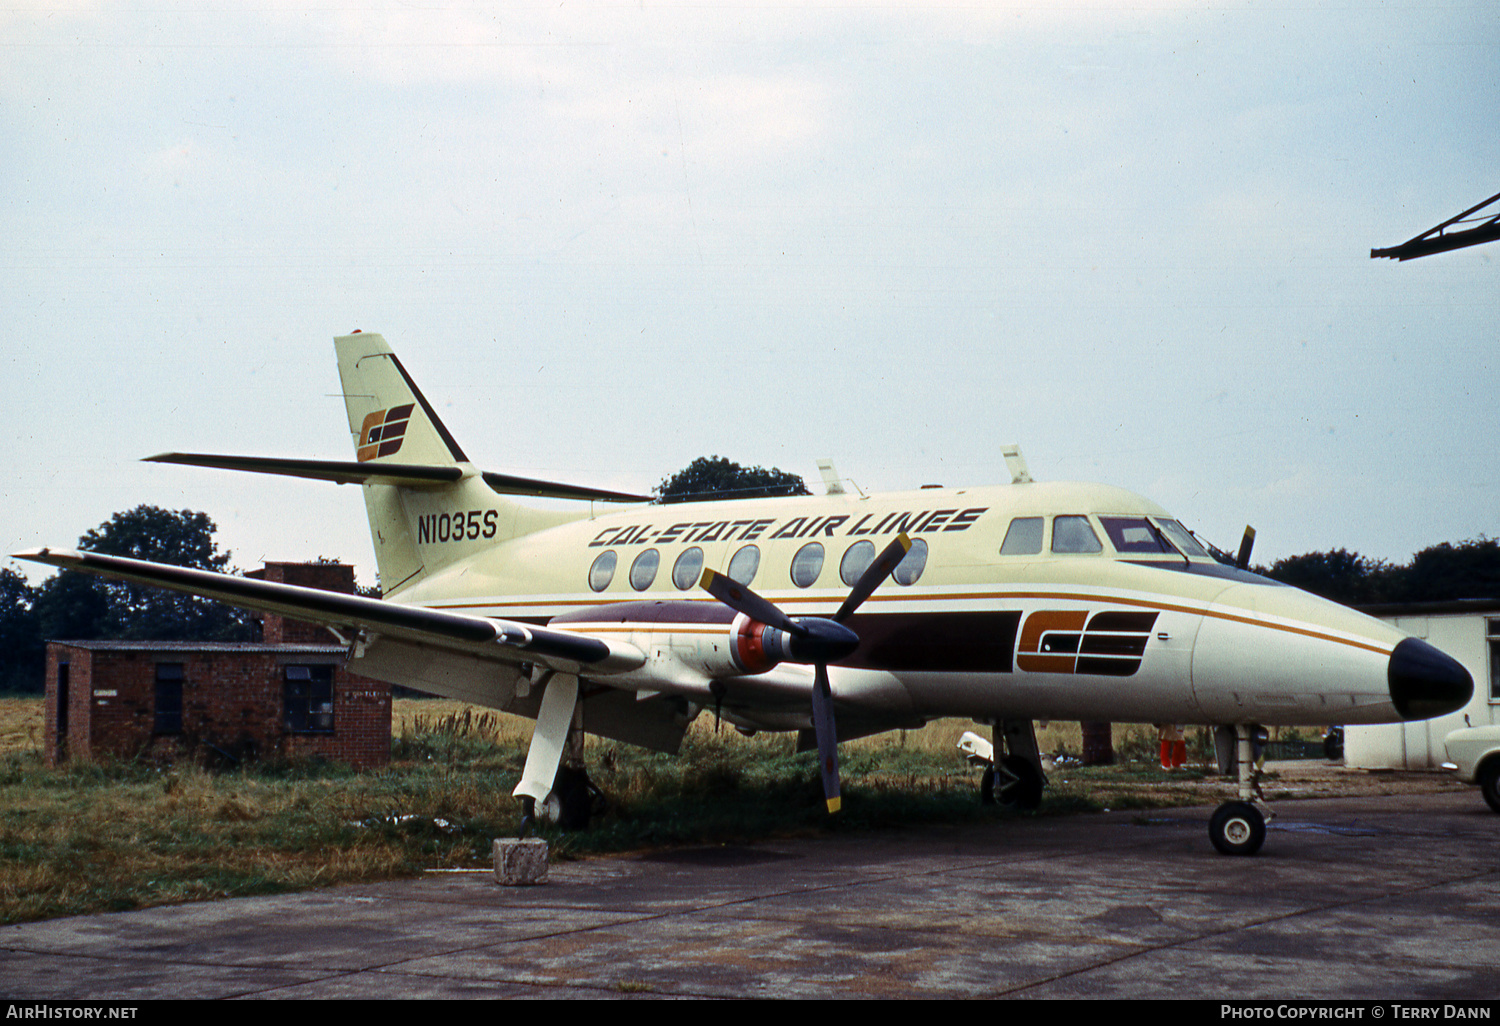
856, 561
688, 568
603, 570
744, 564
807, 564
909, 569
643, 570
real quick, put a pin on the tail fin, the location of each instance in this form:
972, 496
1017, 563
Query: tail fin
388, 415
415, 529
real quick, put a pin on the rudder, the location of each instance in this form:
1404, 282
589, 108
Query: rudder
388, 415
391, 422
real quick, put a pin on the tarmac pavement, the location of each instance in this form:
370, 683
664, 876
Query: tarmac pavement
1390, 897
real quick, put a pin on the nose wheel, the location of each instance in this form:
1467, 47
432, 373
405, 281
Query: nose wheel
1239, 828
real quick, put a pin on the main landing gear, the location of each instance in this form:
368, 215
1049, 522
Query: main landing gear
1239, 828
554, 785
1015, 780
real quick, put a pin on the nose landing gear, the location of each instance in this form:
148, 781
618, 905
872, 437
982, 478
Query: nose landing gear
1239, 828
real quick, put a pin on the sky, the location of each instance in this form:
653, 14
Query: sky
608, 238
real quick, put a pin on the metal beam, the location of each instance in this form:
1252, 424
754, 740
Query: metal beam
1434, 240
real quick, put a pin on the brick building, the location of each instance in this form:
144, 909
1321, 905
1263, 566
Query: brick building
285, 696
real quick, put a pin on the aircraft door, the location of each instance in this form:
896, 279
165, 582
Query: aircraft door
1167, 669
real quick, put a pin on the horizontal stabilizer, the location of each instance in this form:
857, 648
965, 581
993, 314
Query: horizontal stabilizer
409, 475
337, 471
506, 484
511, 641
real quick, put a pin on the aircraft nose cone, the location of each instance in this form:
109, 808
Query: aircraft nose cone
1426, 682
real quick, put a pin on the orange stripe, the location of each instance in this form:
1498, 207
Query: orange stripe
976, 596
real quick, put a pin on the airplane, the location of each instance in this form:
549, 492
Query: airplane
1005, 603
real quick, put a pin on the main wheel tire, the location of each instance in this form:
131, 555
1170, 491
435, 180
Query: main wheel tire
1024, 791
1237, 828
987, 786
1489, 783
575, 798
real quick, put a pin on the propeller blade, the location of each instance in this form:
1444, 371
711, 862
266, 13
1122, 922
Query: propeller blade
1246, 544
827, 735
742, 600
878, 571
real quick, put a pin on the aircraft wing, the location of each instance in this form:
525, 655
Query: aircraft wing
459, 633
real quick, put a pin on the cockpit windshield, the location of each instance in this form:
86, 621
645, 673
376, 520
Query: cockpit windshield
1182, 538
1132, 536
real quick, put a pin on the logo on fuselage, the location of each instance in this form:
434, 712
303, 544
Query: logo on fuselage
382, 432
1070, 641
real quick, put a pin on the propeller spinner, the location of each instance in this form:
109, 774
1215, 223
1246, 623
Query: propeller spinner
770, 636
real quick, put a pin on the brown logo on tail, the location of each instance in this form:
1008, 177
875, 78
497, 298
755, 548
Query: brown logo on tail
382, 432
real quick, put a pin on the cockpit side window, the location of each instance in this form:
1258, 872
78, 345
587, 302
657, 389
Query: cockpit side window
1134, 535
1024, 538
1073, 534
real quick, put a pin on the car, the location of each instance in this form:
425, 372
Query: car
1474, 754
1333, 744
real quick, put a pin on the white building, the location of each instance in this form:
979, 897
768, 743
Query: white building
1469, 631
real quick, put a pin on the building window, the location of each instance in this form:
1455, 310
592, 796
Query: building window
1492, 628
308, 699
168, 698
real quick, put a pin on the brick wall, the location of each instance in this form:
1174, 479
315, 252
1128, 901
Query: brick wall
232, 704
277, 629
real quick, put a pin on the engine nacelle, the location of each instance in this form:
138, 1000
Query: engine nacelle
755, 647
711, 638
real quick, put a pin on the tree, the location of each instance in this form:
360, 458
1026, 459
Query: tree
83, 607
1438, 573
1469, 569
22, 655
710, 478
1339, 574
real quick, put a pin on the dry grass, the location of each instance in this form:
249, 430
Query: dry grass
20, 725
424, 715
416, 715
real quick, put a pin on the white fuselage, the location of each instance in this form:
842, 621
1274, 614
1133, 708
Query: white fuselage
1119, 634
